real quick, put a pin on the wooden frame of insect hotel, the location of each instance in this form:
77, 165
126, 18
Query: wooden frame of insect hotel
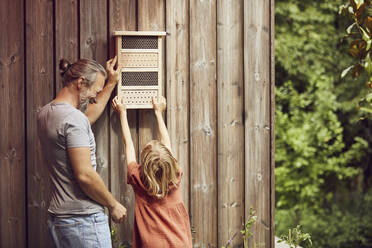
141, 55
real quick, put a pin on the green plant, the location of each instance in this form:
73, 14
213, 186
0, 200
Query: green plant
246, 231
322, 148
311, 148
114, 239
295, 237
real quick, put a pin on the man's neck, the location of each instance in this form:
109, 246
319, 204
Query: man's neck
68, 95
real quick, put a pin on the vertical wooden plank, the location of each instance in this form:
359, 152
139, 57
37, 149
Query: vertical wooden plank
230, 85
272, 119
40, 91
93, 45
178, 73
67, 35
122, 16
257, 66
151, 17
12, 121
203, 163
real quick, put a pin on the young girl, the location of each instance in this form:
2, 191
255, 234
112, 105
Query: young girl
161, 219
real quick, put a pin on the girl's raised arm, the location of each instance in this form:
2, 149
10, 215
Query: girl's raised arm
121, 108
159, 108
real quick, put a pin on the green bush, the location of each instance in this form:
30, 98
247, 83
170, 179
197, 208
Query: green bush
322, 147
347, 222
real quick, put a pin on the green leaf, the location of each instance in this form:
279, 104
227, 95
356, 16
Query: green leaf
348, 30
369, 42
369, 97
365, 37
366, 109
343, 9
359, 3
346, 71
368, 65
351, 10
353, 6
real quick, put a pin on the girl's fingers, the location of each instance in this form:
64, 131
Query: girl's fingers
115, 102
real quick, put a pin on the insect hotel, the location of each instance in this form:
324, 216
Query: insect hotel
140, 54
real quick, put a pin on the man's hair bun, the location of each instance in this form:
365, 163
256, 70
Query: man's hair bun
64, 65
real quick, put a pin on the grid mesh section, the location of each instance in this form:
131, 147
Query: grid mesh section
139, 42
139, 78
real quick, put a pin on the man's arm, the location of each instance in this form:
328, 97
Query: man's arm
159, 107
92, 184
120, 107
95, 110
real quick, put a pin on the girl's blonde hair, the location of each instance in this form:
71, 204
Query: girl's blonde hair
160, 169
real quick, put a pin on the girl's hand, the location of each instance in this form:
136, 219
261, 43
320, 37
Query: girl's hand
112, 74
159, 105
119, 106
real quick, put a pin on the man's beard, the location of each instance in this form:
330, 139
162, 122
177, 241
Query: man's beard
83, 103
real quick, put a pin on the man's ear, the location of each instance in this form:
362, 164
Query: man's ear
80, 82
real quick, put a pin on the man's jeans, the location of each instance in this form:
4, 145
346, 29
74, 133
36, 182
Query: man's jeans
80, 231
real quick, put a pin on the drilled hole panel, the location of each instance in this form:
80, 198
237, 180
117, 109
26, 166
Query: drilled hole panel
139, 78
139, 42
139, 97
144, 60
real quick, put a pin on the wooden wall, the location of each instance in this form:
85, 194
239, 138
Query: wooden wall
219, 85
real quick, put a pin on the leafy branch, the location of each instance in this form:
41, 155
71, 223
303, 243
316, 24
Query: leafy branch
360, 33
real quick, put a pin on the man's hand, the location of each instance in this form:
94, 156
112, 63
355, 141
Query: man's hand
112, 74
118, 212
159, 105
119, 105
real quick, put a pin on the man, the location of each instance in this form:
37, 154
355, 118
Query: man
79, 195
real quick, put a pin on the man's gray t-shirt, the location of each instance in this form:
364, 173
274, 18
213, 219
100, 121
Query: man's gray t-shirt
62, 126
